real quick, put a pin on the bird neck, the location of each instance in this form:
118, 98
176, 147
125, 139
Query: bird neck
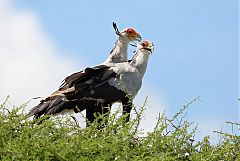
119, 52
140, 61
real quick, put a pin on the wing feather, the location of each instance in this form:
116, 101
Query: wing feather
73, 91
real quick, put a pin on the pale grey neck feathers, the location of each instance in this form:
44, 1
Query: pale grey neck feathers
140, 61
119, 52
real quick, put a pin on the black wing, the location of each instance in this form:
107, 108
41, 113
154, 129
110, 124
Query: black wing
71, 80
74, 88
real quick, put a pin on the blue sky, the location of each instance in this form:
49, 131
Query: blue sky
196, 48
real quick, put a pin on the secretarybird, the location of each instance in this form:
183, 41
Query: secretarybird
117, 55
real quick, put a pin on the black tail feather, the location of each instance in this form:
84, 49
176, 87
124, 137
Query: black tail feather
60, 104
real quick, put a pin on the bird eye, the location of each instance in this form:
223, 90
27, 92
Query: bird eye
144, 44
130, 31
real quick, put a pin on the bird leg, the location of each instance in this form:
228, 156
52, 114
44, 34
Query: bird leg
93, 111
127, 107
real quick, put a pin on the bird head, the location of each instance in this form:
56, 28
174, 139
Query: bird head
132, 34
146, 45
129, 33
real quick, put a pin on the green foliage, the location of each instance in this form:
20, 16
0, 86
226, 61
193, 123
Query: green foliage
22, 138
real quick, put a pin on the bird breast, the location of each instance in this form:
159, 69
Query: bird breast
128, 79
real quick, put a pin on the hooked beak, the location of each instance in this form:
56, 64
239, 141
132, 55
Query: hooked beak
139, 38
150, 48
136, 38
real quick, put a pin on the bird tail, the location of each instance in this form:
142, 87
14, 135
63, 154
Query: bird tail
49, 106
60, 104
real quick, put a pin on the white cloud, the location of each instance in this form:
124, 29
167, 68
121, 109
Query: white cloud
155, 104
30, 64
